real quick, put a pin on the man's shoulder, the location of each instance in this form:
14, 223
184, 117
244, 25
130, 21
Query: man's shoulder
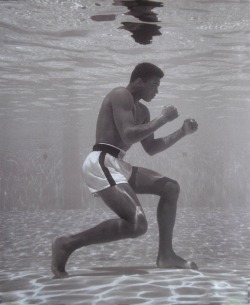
120, 96
120, 91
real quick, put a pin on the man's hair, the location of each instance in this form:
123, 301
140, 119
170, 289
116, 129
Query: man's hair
145, 71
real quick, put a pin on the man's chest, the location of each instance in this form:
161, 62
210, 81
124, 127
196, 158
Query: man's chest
138, 114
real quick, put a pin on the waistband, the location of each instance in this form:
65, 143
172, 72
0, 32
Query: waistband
109, 149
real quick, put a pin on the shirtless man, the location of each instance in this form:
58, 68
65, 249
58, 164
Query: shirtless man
122, 121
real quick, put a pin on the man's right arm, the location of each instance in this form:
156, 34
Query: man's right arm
130, 133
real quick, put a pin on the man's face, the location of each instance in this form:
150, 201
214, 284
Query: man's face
150, 88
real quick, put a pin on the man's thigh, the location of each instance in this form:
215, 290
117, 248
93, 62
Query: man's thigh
147, 181
122, 200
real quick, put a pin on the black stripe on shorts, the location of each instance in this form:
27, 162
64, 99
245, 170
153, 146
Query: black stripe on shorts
105, 169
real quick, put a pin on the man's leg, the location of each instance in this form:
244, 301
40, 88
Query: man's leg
145, 181
131, 223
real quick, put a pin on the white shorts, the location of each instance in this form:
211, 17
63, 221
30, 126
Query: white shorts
102, 170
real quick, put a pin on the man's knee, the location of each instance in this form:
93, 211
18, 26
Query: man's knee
170, 188
140, 227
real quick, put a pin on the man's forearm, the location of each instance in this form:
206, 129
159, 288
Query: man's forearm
161, 144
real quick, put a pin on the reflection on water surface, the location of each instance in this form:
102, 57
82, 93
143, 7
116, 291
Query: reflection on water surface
142, 9
142, 32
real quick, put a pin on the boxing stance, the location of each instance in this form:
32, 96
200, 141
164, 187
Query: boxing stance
122, 121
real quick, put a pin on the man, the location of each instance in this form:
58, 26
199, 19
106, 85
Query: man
122, 121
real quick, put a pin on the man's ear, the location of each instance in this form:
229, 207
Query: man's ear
139, 82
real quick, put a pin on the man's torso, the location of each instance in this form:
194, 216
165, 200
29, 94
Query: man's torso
106, 130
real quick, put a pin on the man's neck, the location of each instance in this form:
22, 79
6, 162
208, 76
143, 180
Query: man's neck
134, 93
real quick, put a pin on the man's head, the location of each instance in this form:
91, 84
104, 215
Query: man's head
146, 71
145, 80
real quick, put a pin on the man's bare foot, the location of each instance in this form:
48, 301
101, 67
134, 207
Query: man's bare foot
175, 261
59, 257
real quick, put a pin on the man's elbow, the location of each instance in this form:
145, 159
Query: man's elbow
129, 138
150, 151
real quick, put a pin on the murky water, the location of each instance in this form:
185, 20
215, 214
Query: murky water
58, 60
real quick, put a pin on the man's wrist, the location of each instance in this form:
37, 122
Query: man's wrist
182, 131
162, 119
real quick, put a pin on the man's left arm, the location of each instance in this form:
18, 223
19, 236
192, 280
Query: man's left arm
153, 146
